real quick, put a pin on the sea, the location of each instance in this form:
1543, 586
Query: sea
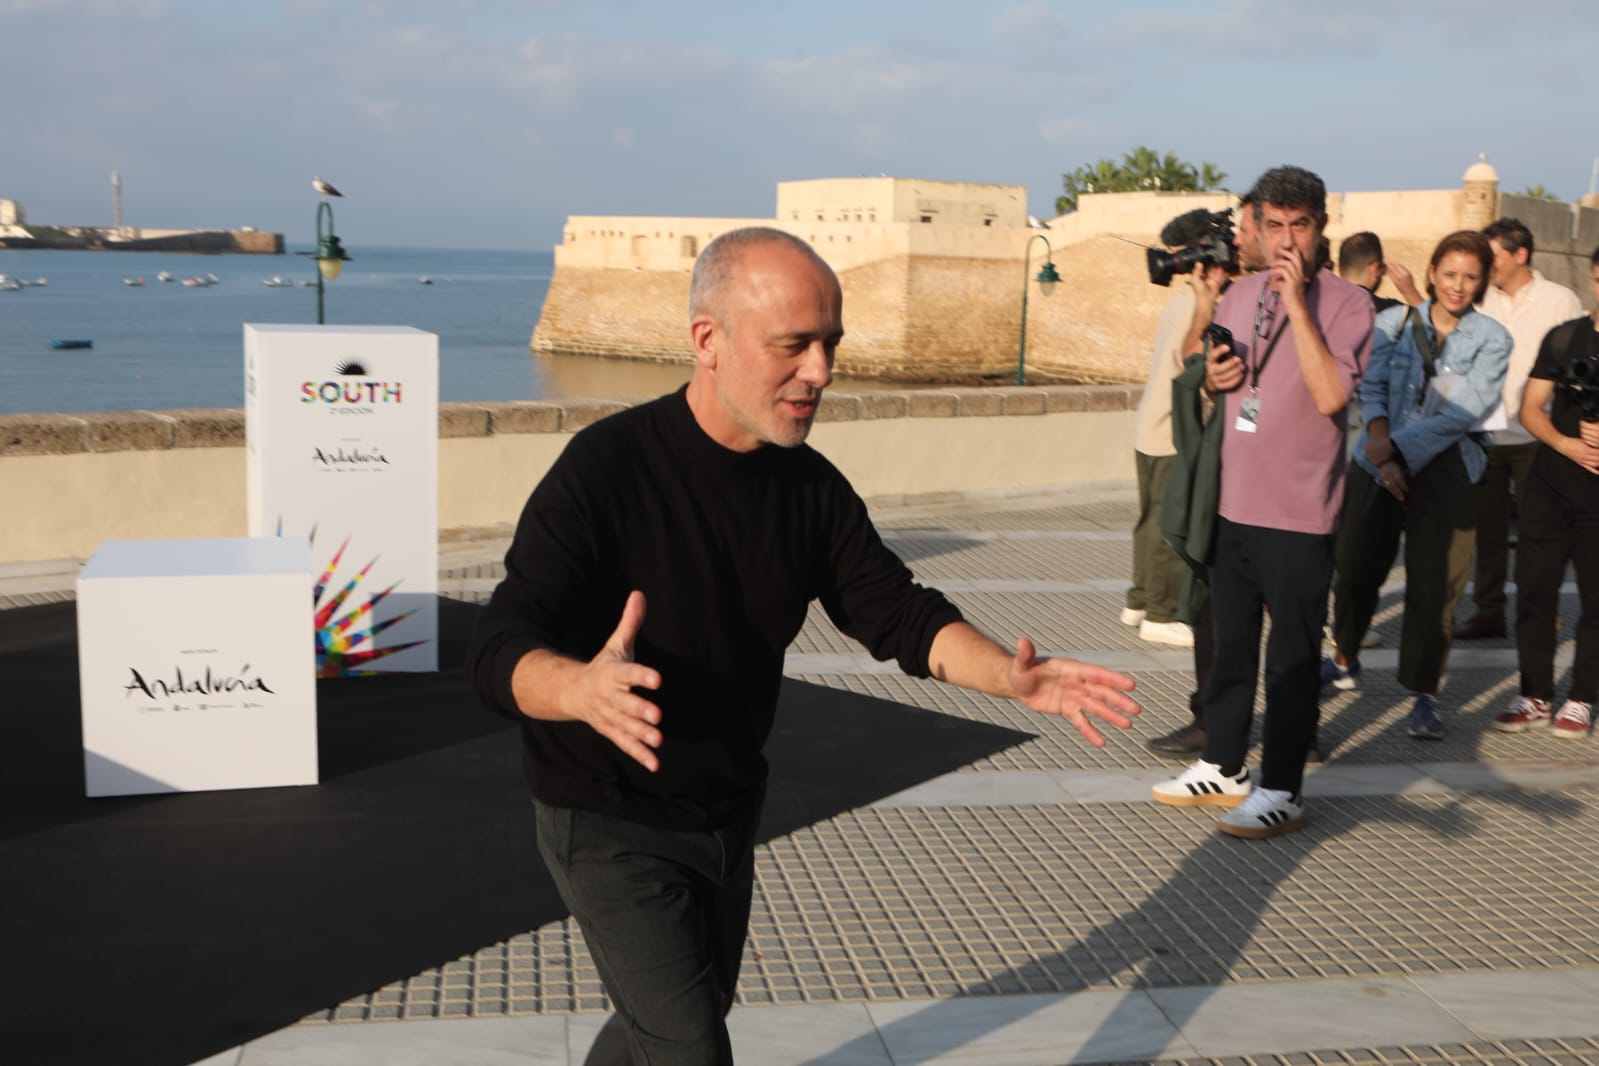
163, 345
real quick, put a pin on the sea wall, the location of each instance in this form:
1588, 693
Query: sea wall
136, 239
72, 481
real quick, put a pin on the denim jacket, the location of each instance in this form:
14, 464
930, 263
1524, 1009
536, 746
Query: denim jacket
1395, 385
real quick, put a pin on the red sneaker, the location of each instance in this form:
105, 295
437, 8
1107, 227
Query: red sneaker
1573, 719
1526, 713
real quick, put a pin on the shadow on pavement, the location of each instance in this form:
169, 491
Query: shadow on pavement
1207, 912
162, 929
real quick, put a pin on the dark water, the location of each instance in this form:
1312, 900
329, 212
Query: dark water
166, 346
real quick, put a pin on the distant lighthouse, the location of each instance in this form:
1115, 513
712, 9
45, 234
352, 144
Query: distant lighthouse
116, 199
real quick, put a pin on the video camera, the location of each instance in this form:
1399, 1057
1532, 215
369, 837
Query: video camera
1199, 236
1579, 378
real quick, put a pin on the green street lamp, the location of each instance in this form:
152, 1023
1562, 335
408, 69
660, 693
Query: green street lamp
330, 254
1047, 278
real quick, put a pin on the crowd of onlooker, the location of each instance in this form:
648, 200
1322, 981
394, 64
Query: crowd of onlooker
1297, 429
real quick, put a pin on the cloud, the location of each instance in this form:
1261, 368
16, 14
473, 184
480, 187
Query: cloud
1060, 132
1031, 22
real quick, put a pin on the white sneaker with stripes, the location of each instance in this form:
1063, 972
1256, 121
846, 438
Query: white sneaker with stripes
1203, 785
1267, 812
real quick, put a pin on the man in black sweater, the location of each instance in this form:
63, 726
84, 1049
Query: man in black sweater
658, 573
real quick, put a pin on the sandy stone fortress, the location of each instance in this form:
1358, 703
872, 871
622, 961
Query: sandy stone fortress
933, 271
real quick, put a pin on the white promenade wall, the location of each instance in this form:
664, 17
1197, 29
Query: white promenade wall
72, 481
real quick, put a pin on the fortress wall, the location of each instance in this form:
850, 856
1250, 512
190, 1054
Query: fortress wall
877, 313
941, 302
635, 314
1426, 214
886, 199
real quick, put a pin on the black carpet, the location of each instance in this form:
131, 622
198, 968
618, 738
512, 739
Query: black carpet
162, 929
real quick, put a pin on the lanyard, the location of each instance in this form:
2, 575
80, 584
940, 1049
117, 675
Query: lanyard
1262, 318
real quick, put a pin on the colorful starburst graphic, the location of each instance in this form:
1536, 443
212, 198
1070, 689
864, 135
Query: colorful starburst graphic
346, 624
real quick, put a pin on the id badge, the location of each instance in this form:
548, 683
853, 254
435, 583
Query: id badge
1248, 415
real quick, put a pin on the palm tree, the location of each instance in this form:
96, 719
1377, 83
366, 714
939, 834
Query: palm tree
1141, 169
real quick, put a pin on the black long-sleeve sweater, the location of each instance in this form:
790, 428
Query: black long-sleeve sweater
729, 549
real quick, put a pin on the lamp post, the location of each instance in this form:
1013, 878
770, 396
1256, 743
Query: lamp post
330, 254
1047, 277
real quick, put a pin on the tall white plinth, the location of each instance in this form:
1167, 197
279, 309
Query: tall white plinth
341, 428
196, 666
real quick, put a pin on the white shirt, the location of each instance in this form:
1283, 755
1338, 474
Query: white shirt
1152, 428
1539, 307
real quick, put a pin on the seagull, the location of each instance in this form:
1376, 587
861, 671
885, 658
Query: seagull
1032, 222
324, 188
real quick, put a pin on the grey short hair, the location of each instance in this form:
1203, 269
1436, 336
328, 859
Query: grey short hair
716, 264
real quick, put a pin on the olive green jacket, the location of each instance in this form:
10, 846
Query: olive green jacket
1193, 492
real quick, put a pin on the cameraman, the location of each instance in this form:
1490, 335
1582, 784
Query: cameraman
1203, 238
1559, 523
1302, 336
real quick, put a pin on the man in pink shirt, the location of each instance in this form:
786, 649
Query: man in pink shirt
1300, 340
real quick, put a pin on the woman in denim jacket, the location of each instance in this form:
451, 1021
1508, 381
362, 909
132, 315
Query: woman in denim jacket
1433, 378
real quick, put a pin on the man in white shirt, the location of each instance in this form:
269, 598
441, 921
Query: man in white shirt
1529, 306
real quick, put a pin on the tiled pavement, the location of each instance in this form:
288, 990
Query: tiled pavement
1035, 908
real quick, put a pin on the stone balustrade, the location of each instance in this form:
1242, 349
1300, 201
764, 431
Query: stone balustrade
70, 481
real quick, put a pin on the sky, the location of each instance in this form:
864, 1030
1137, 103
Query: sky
485, 123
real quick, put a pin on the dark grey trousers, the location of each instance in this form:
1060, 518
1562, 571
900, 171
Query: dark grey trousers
665, 914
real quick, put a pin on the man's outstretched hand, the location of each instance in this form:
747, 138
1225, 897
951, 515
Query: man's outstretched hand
1072, 690
599, 692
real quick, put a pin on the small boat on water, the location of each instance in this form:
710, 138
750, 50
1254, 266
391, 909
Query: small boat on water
36, 283
133, 283
9, 284
277, 281
165, 275
64, 344
426, 280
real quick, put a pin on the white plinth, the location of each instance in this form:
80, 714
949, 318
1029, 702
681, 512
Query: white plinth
197, 666
341, 429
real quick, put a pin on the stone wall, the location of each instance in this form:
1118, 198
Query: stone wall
941, 302
73, 481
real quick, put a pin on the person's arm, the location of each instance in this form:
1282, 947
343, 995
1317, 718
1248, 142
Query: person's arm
1483, 376
1374, 386
1206, 292
547, 603
872, 596
963, 656
1404, 283
1582, 450
1317, 365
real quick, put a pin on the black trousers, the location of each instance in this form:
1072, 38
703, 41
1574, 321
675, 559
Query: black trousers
1559, 523
1509, 466
1437, 522
665, 915
1288, 573
1204, 652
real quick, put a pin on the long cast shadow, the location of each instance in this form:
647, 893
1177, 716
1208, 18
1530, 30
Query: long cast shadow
1215, 927
163, 929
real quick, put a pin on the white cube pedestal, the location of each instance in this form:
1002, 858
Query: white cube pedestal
197, 666
342, 442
